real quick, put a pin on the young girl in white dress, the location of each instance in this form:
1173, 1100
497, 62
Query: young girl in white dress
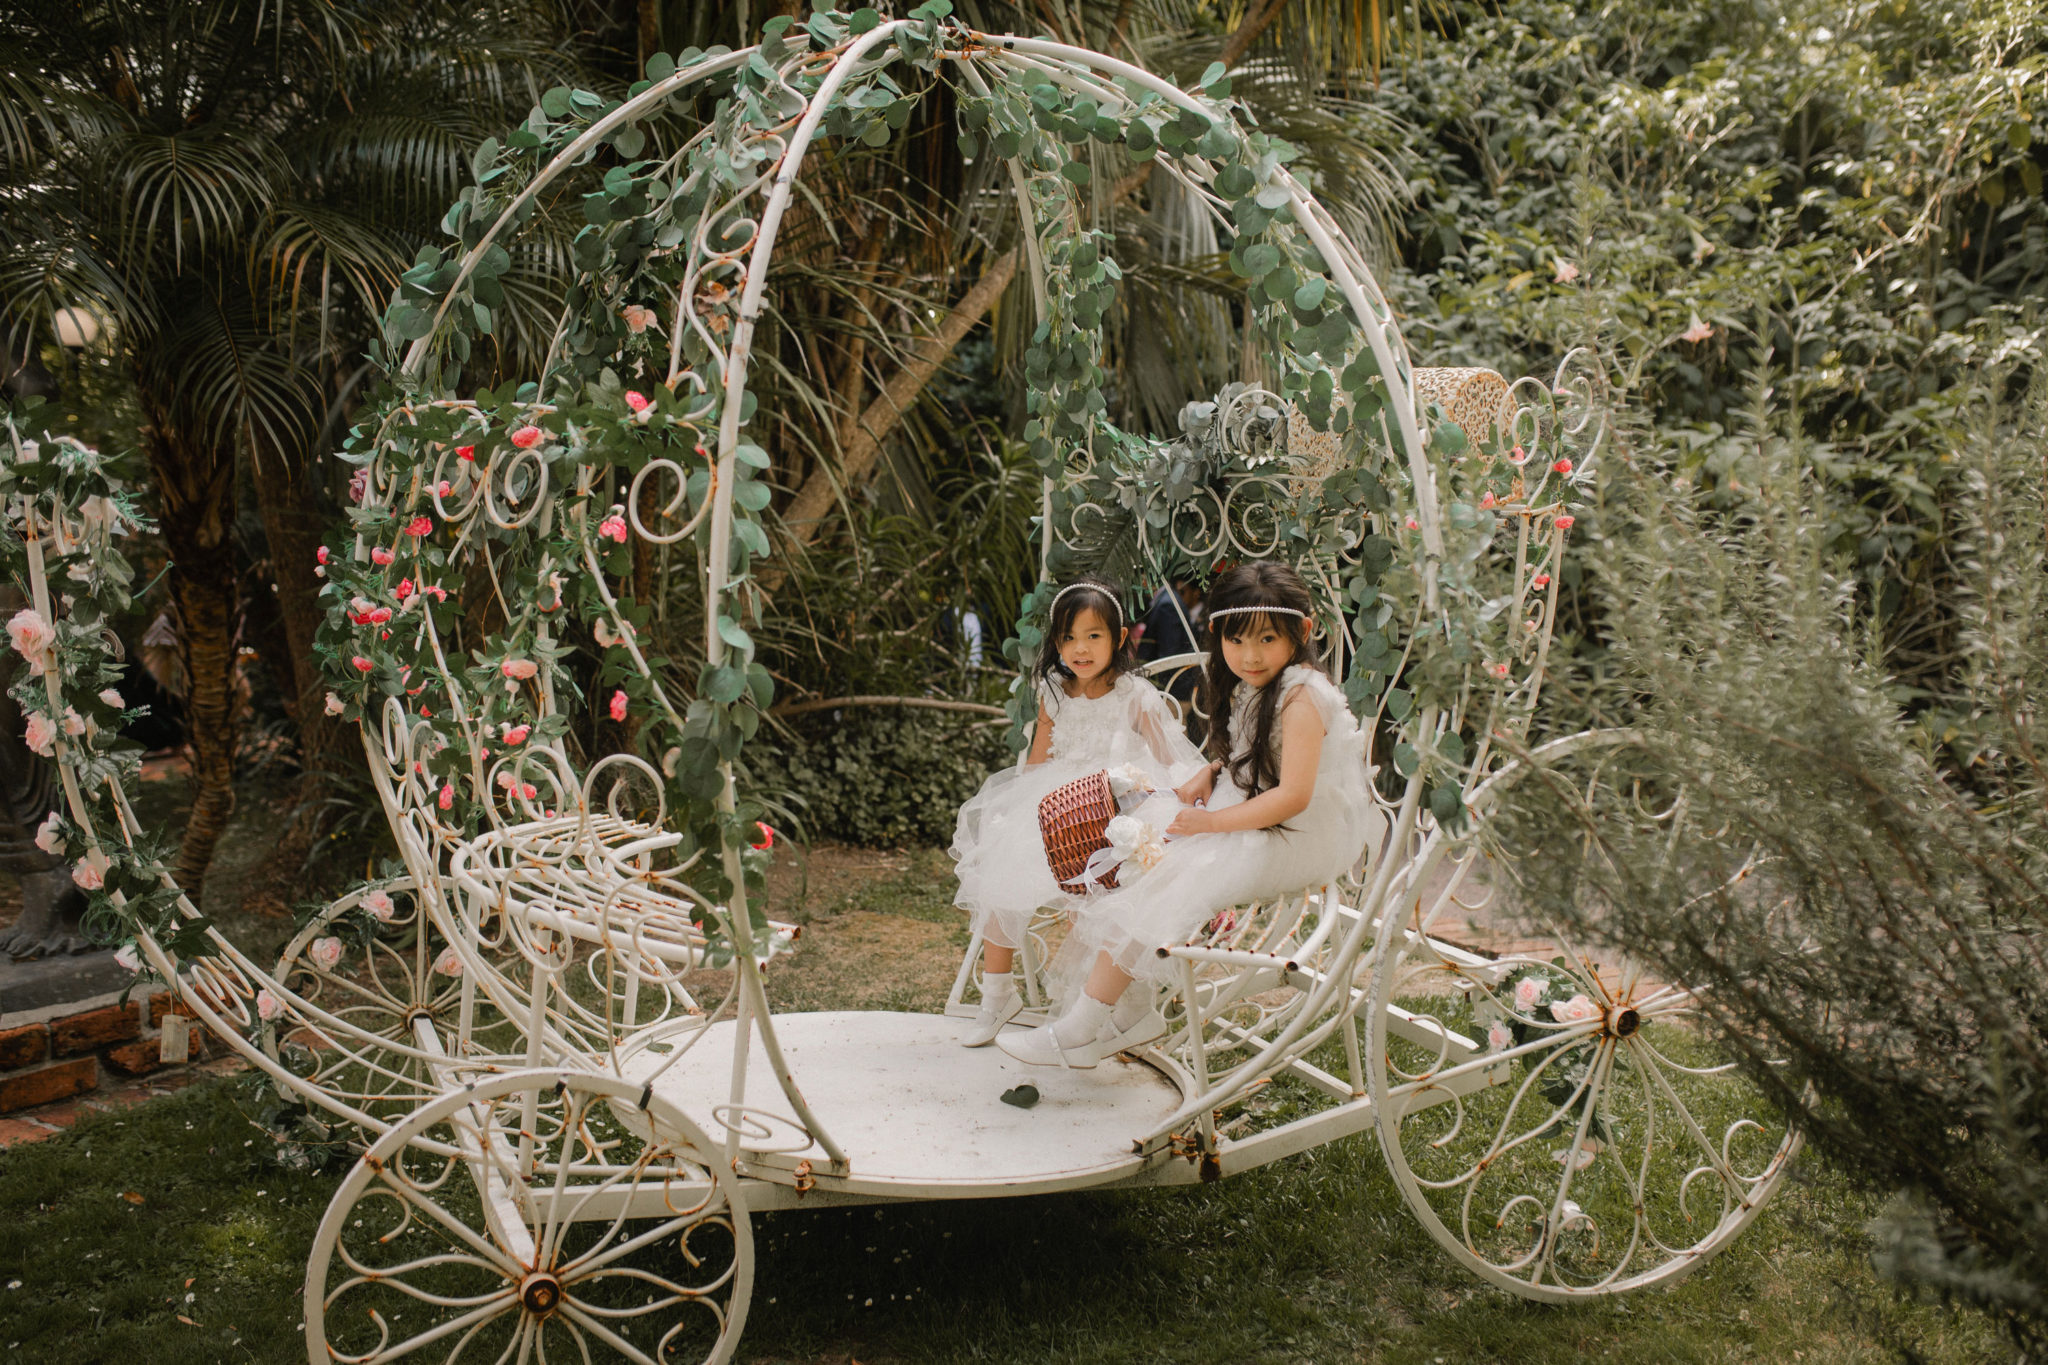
1094, 713
1287, 807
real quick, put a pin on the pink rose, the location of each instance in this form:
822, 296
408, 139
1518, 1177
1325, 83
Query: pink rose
637, 401
1498, 670
378, 903
449, 963
359, 486
1574, 1010
86, 876
466, 453
1518, 456
1498, 1036
40, 734
381, 556
31, 635
1488, 500
443, 488
1414, 525
637, 318
619, 705
362, 665
519, 670
446, 801
325, 952
74, 724
268, 1006
379, 615
1527, 992
767, 836
404, 589
113, 699
527, 437
1563, 466
1542, 580
49, 838
516, 734
420, 526
335, 705
1565, 523
612, 527
320, 555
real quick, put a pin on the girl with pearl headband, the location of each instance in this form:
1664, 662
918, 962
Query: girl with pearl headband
1095, 713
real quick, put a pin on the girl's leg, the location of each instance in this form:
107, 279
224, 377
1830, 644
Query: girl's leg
999, 1001
996, 958
1107, 981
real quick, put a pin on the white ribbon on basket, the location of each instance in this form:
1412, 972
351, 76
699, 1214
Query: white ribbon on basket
1134, 848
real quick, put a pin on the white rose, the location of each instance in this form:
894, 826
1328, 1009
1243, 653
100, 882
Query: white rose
74, 724
325, 952
128, 956
449, 963
1574, 1010
1124, 833
379, 904
113, 699
268, 1006
49, 838
1528, 991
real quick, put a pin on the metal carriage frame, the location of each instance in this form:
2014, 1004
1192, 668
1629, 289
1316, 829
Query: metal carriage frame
518, 1023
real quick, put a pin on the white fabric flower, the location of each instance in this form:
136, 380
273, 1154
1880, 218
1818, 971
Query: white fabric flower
1528, 991
86, 876
1125, 833
449, 963
49, 838
31, 636
1498, 1037
40, 734
113, 699
129, 956
268, 1006
74, 724
378, 903
325, 952
1127, 779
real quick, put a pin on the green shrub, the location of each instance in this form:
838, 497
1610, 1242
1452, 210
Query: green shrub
879, 776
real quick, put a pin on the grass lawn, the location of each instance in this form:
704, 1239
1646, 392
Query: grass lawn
166, 1234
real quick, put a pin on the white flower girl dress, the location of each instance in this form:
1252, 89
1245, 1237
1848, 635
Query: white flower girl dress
1004, 876
1203, 873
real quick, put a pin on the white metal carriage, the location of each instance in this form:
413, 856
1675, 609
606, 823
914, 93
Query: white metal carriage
564, 1144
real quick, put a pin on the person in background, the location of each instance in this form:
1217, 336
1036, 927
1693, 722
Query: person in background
1175, 608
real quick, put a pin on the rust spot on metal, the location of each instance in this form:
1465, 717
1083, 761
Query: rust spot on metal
805, 1182
1626, 1022
541, 1293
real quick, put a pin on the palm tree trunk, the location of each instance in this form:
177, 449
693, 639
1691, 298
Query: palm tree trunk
196, 483
293, 524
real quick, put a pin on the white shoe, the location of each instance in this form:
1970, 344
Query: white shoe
989, 1021
1040, 1048
1151, 1027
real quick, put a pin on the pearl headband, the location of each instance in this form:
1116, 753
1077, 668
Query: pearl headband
1257, 611
1076, 587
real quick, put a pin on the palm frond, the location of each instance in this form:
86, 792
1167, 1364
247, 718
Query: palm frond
204, 186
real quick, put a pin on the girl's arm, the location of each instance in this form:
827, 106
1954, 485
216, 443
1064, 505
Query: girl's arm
1301, 748
1041, 738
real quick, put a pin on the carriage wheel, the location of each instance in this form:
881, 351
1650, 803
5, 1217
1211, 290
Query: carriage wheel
537, 1215
380, 990
1559, 1126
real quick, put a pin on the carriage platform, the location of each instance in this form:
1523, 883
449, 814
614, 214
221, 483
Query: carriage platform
917, 1115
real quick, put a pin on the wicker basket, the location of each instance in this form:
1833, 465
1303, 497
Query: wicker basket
1073, 820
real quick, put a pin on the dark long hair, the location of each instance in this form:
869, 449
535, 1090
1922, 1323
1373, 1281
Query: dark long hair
1255, 585
1106, 600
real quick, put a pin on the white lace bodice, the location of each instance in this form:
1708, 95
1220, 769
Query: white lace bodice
1131, 723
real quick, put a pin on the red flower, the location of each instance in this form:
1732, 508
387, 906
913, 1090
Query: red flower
380, 555
404, 589
380, 616
636, 401
1564, 523
421, 526
447, 797
1543, 580
767, 836
466, 453
528, 436
320, 555
362, 665
619, 705
1563, 466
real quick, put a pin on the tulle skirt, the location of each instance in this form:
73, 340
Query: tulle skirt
1004, 877
1204, 873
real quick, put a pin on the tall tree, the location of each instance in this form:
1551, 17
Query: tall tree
229, 184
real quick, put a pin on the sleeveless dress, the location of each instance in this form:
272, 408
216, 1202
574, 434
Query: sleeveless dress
1004, 877
1201, 874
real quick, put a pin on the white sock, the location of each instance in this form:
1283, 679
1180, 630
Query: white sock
1134, 1004
997, 990
1081, 1022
